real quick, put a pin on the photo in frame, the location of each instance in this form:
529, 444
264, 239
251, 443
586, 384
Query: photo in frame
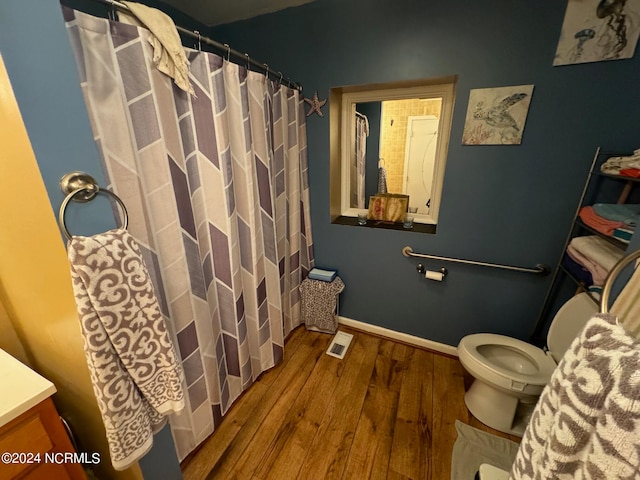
388, 207
496, 116
598, 30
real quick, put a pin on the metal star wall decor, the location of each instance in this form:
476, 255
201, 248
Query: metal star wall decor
316, 104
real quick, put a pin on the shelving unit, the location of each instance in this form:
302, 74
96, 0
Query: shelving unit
614, 189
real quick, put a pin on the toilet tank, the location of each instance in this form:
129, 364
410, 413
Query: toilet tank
568, 323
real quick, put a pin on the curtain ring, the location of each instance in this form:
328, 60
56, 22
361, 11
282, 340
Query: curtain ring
111, 14
199, 40
280, 79
248, 61
228, 51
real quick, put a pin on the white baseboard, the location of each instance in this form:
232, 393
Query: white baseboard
401, 337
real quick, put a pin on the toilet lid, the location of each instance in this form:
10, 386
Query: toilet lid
568, 323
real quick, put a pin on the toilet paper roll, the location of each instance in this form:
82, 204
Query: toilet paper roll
437, 276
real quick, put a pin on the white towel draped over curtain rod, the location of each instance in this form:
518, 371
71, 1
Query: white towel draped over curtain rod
223, 47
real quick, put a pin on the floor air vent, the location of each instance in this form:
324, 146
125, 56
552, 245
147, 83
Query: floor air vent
339, 345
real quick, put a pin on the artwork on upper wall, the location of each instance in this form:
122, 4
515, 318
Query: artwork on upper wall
496, 116
597, 30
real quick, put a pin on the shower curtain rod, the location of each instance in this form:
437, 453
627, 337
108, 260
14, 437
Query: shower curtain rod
220, 46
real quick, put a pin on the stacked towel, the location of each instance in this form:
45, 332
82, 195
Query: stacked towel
617, 165
595, 254
623, 234
598, 250
600, 224
134, 367
586, 424
618, 212
577, 270
616, 220
168, 54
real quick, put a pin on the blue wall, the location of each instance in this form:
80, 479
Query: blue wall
36, 52
502, 204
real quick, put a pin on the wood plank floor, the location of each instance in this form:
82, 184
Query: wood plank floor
387, 411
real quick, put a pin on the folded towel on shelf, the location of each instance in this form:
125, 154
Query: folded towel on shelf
595, 291
136, 376
613, 165
168, 53
597, 271
630, 172
623, 234
618, 212
589, 216
598, 250
579, 272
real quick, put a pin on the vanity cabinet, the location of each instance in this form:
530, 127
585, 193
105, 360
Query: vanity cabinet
34, 444
38, 441
599, 188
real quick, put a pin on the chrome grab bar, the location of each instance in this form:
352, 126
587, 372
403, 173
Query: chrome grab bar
539, 269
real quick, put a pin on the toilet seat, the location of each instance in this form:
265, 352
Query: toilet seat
507, 378
510, 375
489, 472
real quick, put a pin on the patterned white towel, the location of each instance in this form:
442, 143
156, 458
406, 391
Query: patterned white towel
586, 424
134, 368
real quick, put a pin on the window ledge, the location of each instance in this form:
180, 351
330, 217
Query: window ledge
417, 227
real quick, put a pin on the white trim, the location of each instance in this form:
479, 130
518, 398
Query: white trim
405, 184
401, 337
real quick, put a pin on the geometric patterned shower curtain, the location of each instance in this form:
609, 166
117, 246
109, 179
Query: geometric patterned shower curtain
362, 132
217, 192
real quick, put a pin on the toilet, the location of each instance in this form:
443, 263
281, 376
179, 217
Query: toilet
509, 374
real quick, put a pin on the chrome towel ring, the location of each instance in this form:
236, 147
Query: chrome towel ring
613, 274
82, 187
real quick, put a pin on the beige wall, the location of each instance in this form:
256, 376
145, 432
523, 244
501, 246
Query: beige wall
35, 287
393, 134
9, 341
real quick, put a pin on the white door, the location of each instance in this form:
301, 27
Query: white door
420, 155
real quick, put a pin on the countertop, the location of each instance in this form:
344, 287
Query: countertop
20, 388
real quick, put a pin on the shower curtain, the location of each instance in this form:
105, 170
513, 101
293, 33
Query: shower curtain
362, 132
217, 193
